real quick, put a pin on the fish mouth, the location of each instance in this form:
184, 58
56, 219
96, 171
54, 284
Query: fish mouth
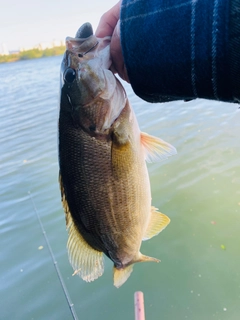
76, 45
86, 45
87, 78
83, 42
84, 31
87, 61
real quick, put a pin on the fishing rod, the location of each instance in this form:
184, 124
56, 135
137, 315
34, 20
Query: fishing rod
139, 305
70, 304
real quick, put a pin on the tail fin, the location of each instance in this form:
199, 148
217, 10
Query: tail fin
143, 258
120, 276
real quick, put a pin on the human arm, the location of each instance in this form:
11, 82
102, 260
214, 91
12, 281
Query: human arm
182, 49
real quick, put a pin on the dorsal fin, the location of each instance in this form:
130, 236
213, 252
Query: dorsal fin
157, 223
156, 149
63, 198
86, 262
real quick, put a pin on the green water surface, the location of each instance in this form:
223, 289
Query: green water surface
199, 189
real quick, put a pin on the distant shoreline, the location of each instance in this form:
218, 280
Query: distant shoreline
32, 54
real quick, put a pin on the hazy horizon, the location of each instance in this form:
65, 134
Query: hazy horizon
27, 23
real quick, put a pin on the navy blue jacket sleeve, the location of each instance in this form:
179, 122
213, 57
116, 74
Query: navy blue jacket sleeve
182, 49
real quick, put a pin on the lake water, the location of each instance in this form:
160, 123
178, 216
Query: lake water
199, 189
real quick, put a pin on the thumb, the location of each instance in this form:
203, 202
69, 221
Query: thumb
116, 54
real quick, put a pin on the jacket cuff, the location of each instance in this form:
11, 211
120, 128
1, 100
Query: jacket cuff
234, 48
180, 50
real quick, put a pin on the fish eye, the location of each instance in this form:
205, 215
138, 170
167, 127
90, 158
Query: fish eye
69, 75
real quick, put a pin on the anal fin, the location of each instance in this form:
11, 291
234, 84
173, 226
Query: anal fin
157, 223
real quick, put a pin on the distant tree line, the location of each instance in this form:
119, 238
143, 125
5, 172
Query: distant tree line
33, 54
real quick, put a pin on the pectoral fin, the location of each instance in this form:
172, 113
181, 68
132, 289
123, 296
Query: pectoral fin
121, 153
156, 149
86, 262
157, 223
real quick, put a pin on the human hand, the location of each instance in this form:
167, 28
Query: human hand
109, 25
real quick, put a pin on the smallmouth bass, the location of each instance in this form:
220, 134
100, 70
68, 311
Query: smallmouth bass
103, 176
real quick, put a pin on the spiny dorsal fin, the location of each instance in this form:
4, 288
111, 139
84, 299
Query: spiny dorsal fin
64, 200
157, 223
121, 275
156, 149
86, 262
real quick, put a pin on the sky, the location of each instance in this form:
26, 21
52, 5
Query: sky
25, 23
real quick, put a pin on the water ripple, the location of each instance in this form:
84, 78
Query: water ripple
199, 189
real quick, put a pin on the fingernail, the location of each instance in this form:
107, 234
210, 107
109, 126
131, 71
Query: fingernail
118, 28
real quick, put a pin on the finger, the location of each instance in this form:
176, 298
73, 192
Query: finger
108, 21
118, 65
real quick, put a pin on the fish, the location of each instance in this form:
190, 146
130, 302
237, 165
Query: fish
103, 176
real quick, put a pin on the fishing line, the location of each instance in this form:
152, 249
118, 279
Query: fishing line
70, 304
